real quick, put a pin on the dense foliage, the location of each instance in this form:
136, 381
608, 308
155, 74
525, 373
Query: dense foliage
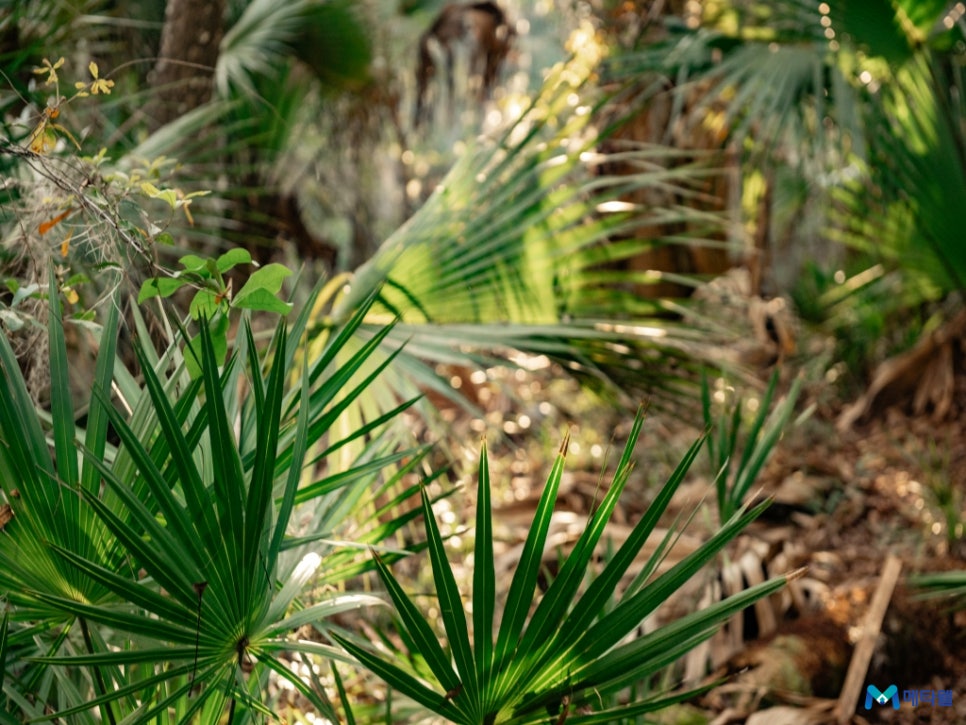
222, 328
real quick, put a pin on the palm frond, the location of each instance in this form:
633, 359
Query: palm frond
327, 36
514, 251
188, 549
859, 98
918, 144
565, 649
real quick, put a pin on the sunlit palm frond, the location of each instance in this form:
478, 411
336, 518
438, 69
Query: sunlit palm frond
919, 145
520, 249
565, 647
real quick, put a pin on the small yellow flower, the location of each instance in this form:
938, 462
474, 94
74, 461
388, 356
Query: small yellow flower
99, 85
102, 86
50, 70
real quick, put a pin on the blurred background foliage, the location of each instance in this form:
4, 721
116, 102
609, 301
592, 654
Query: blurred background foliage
846, 119
298, 117
647, 191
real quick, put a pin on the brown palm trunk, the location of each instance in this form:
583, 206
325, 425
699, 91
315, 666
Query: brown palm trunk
182, 77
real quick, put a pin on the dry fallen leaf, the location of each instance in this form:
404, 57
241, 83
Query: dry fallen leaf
6, 513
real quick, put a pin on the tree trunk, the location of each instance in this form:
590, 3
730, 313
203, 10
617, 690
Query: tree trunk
182, 77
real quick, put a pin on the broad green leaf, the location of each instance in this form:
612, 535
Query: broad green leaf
160, 287
205, 304
233, 257
218, 328
268, 278
262, 300
194, 263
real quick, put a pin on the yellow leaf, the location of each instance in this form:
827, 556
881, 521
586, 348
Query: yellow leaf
37, 138
68, 134
71, 296
168, 195
93, 69
43, 139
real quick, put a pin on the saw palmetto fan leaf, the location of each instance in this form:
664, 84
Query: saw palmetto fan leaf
521, 248
551, 658
157, 572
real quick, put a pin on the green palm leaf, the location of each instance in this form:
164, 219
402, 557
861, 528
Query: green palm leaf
484, 574
38, 487
200, 573
327, 36
564, 650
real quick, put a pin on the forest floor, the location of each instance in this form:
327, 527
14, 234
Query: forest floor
894, 484
924, 642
